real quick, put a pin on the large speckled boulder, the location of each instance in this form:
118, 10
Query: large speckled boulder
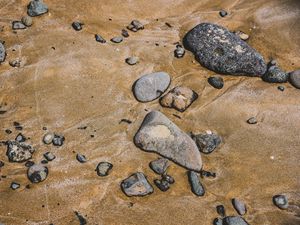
158, 134
217, 49
19, 152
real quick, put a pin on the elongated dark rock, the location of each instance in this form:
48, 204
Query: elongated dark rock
196, 186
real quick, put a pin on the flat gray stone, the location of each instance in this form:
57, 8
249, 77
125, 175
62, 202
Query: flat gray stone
217, 49
234, 220
159, 166
151, 86
294, 78
160, 135
2, 53
136, 185
117, 39
196, 186
132, 60
239, 206
37, 173
37, 8
18, 25
18, 152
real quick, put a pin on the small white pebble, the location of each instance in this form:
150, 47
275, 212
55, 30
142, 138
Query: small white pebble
272, 157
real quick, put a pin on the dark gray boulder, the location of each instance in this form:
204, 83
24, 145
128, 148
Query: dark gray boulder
136, 185
234, 220
160, 135
217, 49
2, 53
36, 8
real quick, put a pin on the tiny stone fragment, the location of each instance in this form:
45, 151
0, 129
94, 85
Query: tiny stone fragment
207, 142
162, 184
216, 82
58, 140
49, 156
179, 51
81, 219
99, 38
221, 210
18, 152
223, 13
242, 35
48, 138
14, 185
239, 206
36, 8
20, 138
81, 158
77, 25
125, 33
135, 25
18, 25
132, 60
136, 185
252, 120
104, 168
15, 63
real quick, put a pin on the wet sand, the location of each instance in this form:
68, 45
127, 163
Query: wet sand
85, 83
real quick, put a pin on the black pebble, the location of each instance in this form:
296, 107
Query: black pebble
221, 210
29, 164
82, 220
77, 26
205, 173
125, 121
44, 161
81, 158
223, 13
99, 38
125, 33
216, 82
8, 131
162, 184
280, 88
58, 140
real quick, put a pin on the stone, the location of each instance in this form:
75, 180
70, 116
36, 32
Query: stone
18, 126
159, 166
218, 221
18, 152
179, 98
179, 51
151, 86
234, 220
117, 39
221, 210
58, 140
125, 33
242, 35
252, 120
1, 164
77, 25
160, 135
168, 178
294, 77
44, 161
99, 38
135, 25
132, 60
18, 25
29, 163
8, 131
104, 168
37, 173
239, 206
280, 88
196, 186
20, 138
15, 63
81, 158
48, 138
14, 185
223, 13
204, 173
136, 185
281, 201
162, 184
217, 49
207, 142
36, 8
82, 220
49, 156
216, 81
2, 53
27, 21
275, 75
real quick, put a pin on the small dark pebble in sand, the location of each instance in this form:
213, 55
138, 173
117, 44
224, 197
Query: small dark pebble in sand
58, 140
99, 38
44, 161
81, 219
103, 168
44, 128
8, 131
77, 25
15, 63
218, 221
29, 163
205, 173
125, 33
132, 60
223, 13
81, 158
82, 128
168, 178
135, 25
280, 88
20, 138
116, 39
162, 184
2, 111
239, 206
221, 210
281, 201
196, 186
168, 24
17, 126
1, 163
14, 185
216, 82
125, 121
252, 120
179, 51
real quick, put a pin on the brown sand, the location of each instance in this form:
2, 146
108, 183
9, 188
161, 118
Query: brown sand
54, 88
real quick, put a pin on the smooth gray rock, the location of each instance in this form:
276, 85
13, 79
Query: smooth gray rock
151, 86
252, 120
136, 185
49, 156
216, 81
132, 60
2, 53
103, 168
36, 8
20, 138
239, 206
135, 25
217, 49
159, 166
37, 173
18, 152
207, 142
196, 186
81, 158
18, 25
281, 201
160, 135
27, 21
234, 220
99, 38
48, 138
275, 75
117, 39
294, 78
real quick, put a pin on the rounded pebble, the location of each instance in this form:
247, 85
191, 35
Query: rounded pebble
37, 173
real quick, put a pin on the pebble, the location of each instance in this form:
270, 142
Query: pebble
239, 206
135, 25
2, 53
160, 135
27, 21
162, 184
36, 8
168, 178
234, 220
204, 173
77, 25
116, 39
15, 63
151, 86
281, 88
159, 166
104, 168
18, 25
294, 77
242, 35
218, 221
219, 50
81, 158
18, 152
8, 131
274, 74
100, 39
196, 186
82, 220
48, 138
125, 33
136, 185
37, 173
132, 60
20, 138
281, 201
14, 185
179, 51
179, 98
221, 210
29, 164
216, 81
49, 156
223, 13
1, 163
207, 142
252, 120
58, 140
